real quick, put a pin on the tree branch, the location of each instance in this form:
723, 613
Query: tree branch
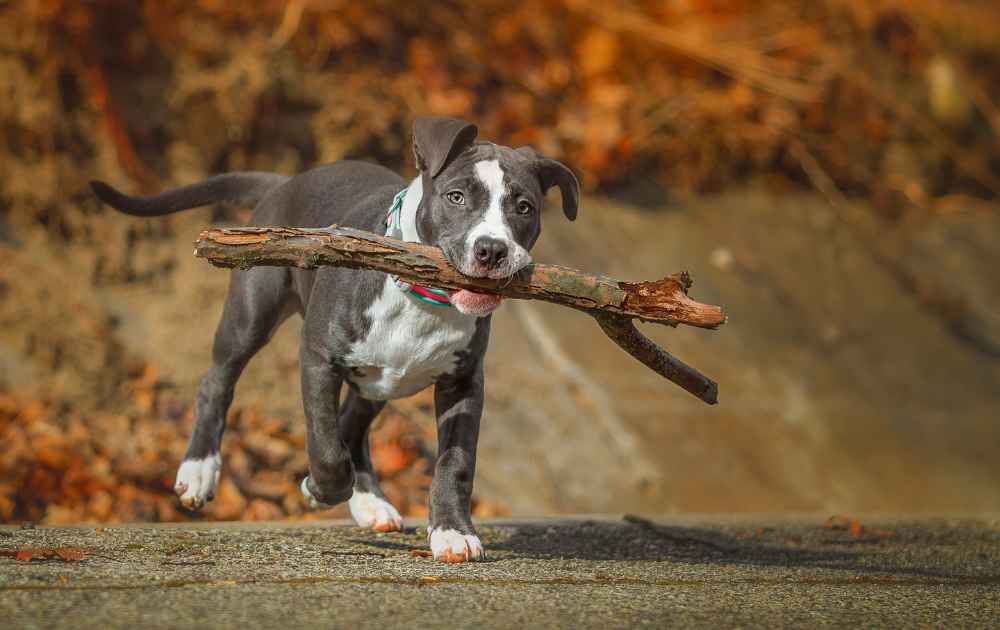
614, 304
622, 331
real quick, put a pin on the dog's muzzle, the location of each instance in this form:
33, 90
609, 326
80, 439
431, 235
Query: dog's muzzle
489, 257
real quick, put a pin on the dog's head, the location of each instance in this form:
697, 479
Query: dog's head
482, 202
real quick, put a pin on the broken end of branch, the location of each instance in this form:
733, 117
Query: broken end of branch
623, 332
669, 298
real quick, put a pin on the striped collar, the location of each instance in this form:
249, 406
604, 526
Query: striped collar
394, 229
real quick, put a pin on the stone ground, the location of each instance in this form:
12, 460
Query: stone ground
602, 572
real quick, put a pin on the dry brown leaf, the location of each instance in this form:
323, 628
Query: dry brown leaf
64, 554
855, 527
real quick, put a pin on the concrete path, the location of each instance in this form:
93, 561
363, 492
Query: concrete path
601, 572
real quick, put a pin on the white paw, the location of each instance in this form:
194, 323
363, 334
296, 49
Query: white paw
374, 512
197, 480
313, 503
449, 545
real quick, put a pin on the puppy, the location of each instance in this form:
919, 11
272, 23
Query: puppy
480, 203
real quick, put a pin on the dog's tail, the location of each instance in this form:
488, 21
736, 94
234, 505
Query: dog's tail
242, 188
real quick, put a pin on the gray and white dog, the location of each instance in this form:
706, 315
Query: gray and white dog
477, 201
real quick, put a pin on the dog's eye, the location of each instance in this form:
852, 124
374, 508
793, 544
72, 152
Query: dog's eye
456, 197
523, 207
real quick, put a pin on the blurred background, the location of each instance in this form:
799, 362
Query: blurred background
827, 170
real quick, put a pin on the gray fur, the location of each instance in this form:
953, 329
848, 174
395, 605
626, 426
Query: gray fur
436, 139
243, 189
333, 301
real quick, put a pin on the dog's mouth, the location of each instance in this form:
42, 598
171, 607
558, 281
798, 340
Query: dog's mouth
473, 303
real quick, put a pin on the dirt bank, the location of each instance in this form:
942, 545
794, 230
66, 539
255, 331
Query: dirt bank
843, 387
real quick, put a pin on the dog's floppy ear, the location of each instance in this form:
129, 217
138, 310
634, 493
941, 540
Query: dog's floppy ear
436, 139
552, 173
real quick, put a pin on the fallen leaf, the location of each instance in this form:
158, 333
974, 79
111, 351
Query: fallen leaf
855, 527
421, 553
841, 523
66, 554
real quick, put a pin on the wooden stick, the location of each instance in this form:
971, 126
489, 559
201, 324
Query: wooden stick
622, 331
614, 304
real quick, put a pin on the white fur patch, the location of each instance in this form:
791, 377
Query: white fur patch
410, 344
374, 512
494, 225
197, 480
450, 545
491, 176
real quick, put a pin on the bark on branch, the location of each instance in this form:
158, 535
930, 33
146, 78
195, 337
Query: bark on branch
614, 304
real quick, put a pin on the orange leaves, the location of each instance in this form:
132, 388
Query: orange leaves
617, 90
852, 525
63, 554
597, 52
701, 94
229, 503
61, 466
855, 527
393, 458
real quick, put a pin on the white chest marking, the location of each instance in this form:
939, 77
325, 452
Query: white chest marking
411, 343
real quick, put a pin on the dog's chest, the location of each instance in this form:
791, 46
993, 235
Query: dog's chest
409, 346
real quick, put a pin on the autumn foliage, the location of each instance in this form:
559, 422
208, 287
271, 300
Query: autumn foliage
897, 100
61, 465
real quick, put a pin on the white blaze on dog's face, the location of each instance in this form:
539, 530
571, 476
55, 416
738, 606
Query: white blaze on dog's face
491, 249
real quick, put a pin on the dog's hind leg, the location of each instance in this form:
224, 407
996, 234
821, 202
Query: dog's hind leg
258, 301
368, 504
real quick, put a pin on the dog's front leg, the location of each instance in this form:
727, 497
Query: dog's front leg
459, 405
331, 475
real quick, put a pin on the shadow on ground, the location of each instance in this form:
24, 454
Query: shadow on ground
870, 554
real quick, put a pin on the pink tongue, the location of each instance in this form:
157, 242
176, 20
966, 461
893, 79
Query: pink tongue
478, 303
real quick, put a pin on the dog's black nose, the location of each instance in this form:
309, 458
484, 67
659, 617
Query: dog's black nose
490, 252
